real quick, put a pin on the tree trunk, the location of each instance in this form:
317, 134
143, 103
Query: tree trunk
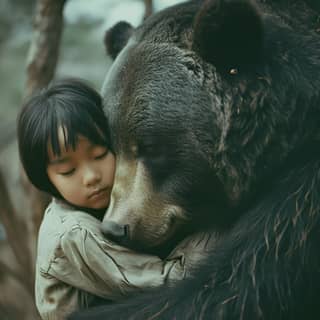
41, 66
44, 50
148, 8
22, 218
17, 238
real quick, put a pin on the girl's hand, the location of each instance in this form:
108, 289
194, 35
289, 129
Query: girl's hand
195, 248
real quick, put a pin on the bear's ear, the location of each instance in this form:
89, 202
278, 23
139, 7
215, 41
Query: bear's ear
117, 37
228, 33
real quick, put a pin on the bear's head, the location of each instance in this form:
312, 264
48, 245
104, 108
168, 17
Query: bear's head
206, 102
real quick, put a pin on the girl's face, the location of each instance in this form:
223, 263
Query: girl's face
84, 176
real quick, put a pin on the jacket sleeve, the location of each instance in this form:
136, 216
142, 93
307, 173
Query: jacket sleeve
86, 260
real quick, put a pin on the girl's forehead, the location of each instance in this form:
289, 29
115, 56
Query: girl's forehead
63, 136
64, 148
61, 142
66, 137
64, 140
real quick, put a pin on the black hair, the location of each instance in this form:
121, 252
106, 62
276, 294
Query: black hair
68, 103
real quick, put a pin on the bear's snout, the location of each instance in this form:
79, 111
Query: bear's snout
116, 232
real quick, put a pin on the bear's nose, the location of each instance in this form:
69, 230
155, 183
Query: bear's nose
116, 232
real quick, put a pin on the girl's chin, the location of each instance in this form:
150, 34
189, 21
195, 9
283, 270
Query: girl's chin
102, 204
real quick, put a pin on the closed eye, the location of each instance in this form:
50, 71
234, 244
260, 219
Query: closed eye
102, 155
68, 173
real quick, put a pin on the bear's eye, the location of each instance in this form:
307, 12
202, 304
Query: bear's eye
152, 153
148, 151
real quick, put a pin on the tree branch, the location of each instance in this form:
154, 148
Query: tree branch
148, 8
17, 235
45, 44
6, 270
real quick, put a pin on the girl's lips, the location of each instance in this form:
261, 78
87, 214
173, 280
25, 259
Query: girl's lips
98, 193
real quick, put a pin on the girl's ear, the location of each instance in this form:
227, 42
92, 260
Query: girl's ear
117, 37
228, 33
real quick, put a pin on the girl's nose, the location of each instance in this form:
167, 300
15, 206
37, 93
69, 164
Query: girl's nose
91, 176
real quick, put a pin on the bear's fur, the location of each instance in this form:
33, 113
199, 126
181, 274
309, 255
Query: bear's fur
214, 108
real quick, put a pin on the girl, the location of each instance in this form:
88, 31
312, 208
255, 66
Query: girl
65, 150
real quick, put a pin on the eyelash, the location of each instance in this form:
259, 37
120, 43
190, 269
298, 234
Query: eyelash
68, 173
101, 156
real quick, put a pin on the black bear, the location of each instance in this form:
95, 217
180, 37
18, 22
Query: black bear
214, 108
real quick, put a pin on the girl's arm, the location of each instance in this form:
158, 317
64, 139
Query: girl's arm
88, 261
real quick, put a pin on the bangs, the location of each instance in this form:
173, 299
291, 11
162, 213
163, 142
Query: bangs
86, 120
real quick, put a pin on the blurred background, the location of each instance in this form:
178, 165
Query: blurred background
41, 40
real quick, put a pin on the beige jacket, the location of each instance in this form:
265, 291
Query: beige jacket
75, 263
